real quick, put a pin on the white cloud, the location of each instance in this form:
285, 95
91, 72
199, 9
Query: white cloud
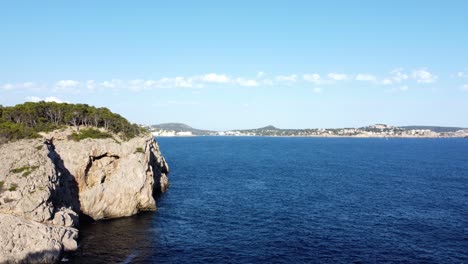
54, 99
215, 78
197, 81
150, 83
286, 78
313, 78
24, 85
183, 82
140, 84
337, 76
316, 79
33, 99
67, 83
387, 81
317, 90
424, 76
397, 78
163, 82
465, 87
108, 84
398, 75
366, 77
246, 82
179, 82
47, 99
112, 84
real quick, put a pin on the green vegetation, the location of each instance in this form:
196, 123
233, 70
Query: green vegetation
1, 185
90, 133
139, 150
13, 187
25, 169
26, 120
10, 131
20, 169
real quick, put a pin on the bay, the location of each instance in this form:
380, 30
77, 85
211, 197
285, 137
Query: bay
297, 200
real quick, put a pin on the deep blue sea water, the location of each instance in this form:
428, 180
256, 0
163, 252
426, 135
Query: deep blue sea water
298, 200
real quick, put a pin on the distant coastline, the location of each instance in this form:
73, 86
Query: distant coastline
372, 131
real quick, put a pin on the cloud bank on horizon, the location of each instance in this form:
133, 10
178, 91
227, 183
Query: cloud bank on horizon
396, 76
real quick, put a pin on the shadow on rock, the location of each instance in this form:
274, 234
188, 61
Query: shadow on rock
66, 195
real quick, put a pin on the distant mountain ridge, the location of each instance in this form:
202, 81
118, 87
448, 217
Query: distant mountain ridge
180, 127
377, 130
270, 127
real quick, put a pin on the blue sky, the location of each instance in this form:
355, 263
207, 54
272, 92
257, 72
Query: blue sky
242, 64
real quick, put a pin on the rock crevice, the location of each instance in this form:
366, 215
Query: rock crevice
98, 167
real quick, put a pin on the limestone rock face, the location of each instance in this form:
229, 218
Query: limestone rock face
38, 204
46, 184
26, 241
115, 179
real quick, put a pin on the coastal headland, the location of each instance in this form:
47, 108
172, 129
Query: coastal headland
51, 180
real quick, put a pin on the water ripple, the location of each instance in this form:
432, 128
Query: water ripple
298, 200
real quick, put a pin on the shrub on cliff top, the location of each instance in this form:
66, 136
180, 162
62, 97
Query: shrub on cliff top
26, 120
139, 150
90, 133
10, 131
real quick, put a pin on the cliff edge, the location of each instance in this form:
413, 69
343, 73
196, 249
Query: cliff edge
46, 184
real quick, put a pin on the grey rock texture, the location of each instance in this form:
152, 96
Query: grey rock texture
115, 179
46, 184
26, 241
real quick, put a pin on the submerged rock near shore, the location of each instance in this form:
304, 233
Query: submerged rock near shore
47, 184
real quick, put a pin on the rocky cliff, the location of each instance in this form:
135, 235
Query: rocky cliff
47, 184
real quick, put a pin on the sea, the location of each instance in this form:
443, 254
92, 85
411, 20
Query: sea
297, 200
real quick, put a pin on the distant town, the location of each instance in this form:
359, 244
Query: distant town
372, 131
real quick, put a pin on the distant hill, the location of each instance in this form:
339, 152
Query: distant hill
271, 130
437, 129
270, 127
180, 127
174, 126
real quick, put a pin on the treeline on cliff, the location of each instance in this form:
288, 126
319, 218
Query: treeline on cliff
26, 120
